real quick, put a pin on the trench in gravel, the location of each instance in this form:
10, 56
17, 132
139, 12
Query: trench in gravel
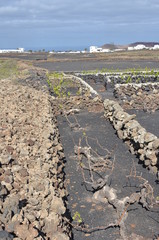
148, 120
80, 199
93, 214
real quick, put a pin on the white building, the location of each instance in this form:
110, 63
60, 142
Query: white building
118, 50
130, 48
106, 50
18, 50
140, 47
95, 49
137, 47
155, 47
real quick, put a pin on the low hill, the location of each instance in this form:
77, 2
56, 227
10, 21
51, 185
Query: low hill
113, 46
147, 44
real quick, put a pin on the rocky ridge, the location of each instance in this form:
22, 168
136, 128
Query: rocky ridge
31, 166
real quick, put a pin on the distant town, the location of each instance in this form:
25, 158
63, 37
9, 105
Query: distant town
94, 49
107, 48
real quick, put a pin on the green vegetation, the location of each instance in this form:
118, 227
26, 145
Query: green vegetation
133, 71
60, 85
58, 89
129, 79
77, 218
55, 82
126, 75
8, 68
57, 75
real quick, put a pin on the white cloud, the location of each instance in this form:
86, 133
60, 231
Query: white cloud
102, 16
7, 10
79, 10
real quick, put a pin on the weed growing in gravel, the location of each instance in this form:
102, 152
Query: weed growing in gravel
78, 93
138, 80
55, 75
58, 89
129, 79
55, 81
77, 217
60, 85
49, 83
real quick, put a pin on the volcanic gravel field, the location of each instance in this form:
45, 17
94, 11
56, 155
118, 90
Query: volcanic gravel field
49, 188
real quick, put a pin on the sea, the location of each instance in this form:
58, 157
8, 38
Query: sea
57, 48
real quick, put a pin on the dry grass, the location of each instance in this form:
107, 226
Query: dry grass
131, 55
123, 55
8, 68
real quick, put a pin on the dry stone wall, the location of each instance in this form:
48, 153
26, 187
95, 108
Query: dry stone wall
120, 78
130, 78
31, 166
142, 143
139, 96
140, 91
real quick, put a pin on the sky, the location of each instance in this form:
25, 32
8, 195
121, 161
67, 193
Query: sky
76, 24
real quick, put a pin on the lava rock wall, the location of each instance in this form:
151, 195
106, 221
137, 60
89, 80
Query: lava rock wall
138, 96
118, 78
142, 143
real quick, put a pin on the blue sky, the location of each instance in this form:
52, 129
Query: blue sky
77, 23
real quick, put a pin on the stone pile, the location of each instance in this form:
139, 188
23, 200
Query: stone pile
32, 189
138, 96
142, 143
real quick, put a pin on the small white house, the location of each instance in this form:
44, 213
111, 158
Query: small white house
18, 50
155, 47
137, 47
106, 50
118, 50
95, 49
140, 47
130, 48
21, 50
